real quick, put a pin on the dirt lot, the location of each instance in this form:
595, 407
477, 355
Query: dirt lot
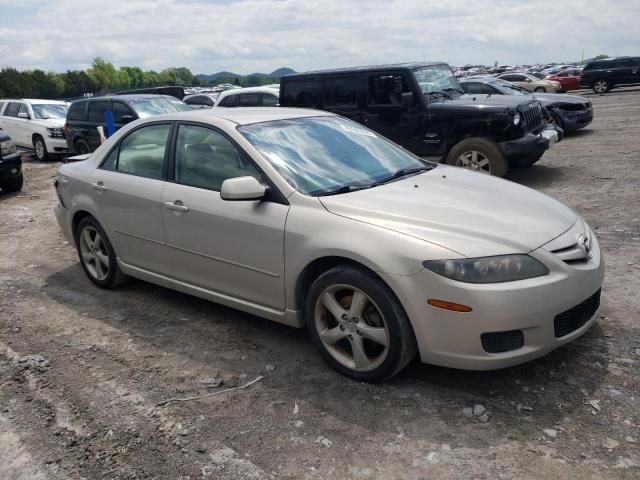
82, 370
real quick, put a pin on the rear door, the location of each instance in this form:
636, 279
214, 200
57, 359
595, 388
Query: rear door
635, 70
128, 191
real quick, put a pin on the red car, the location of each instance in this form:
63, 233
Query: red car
569, 79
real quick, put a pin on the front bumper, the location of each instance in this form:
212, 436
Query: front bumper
454, 339
576, 120
56, 145
530, 146
10, 166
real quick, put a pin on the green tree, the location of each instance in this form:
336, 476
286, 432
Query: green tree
103, 74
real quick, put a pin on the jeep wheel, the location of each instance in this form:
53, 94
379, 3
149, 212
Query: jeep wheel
13, 185
540, 90
81, 147
601, 86
478, 154
40, 148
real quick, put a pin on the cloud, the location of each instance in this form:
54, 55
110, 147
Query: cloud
261, 35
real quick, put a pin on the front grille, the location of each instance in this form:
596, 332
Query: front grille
572, 254
498, 342
574, 318
532, 116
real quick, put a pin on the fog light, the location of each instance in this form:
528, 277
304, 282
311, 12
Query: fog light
14, 170
454, 307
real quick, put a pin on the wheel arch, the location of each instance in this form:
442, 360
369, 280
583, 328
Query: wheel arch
77, 218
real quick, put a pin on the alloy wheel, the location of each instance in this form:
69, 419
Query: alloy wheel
474, 160
93, 252
40, 149
600, 86
351, 328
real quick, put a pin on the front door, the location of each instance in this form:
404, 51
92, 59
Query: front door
127, 189
388, 113
234, 248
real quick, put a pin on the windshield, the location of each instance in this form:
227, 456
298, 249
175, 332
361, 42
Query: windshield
179, 104
507, 88
148, 107
318, 155
436, 78
44, 111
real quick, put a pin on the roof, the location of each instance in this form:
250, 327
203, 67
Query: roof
128, 96
33, 100
236, 91
246, 115
364, 68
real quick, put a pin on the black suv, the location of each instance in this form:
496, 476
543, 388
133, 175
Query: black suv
603, 75
10, 165
421, 107
85, 115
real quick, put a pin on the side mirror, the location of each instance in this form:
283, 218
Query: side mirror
529, 80
407, 98
126, 118
24, 115
242, 188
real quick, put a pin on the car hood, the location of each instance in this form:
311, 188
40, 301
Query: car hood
470, 213
49, 122
552, 98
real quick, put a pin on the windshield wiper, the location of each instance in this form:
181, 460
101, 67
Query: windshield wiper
403, 172
446, 95
345, 189
451, 89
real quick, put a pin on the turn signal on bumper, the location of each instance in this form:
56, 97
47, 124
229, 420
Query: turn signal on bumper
454, 307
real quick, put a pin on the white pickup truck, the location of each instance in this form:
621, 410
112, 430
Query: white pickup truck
37, 124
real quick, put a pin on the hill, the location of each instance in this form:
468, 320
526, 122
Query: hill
253, 78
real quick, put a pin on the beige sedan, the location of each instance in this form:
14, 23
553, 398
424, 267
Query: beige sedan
531, 83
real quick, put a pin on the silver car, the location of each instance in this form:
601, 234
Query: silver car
311, 220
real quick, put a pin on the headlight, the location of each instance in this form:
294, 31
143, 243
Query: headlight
7, 147
55, 132
498, 269
516, 119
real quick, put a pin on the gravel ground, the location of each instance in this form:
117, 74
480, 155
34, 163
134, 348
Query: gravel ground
82, 370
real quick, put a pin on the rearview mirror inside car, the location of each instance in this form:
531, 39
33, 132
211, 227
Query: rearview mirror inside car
242, 188
407, 99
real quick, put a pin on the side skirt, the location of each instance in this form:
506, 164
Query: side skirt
286, 317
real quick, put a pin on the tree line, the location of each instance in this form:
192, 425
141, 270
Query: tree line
101, 77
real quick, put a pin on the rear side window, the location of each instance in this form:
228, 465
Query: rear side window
12, 109
142, 152
299, 93
228, 101
249, 100
269, 100
340, 91
620, 63
76, 111
96, 111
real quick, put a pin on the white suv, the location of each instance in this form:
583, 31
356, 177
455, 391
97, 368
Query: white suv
249, 97
37, 124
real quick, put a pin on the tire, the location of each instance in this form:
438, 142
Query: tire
380, 319
13, 185
462, 155
540, 90
96, 253
81, 147
40, 148
601, 86
557, 119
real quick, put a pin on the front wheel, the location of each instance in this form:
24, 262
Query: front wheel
601, 86
540, 90
478, 154
81, 147
358, 324
40, 148
97, 257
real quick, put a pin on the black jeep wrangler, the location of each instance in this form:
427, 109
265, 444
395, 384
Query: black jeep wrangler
421, 107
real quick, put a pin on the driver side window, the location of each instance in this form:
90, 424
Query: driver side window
387, 89
205, 158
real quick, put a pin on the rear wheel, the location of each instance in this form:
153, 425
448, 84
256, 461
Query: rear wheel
13, 185
40, 148
478, 154
81, 147
358, 324
601, 86
97, 257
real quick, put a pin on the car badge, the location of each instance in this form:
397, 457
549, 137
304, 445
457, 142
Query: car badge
584, 244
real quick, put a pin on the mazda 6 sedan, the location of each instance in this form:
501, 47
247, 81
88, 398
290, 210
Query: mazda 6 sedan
311, 220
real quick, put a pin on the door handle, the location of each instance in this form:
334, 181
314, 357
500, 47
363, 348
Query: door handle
99, 186
177, 206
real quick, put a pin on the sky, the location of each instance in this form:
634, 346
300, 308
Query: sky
245, 36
